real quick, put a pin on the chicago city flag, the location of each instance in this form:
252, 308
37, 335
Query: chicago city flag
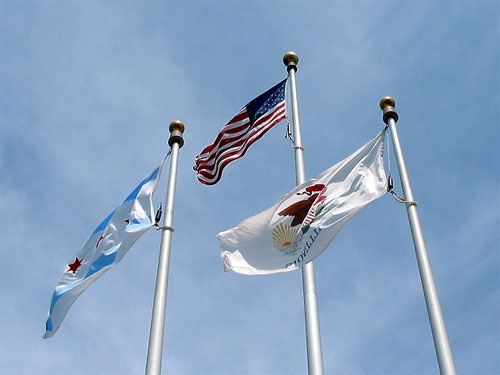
301, 225
246, 127
106, 246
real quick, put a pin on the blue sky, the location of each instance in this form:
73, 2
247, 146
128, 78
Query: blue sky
87, 90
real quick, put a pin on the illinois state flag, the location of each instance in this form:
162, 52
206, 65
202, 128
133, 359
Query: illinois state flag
105, 247
302, 224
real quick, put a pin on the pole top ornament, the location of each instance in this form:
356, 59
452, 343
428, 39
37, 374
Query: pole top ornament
387, 105
387, 101
176, 129
290, 59
176, 125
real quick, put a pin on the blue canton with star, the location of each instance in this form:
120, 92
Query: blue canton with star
265, 102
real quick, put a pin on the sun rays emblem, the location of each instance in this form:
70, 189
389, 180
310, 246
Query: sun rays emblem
283, 237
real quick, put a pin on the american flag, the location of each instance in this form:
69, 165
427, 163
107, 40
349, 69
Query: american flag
246, 127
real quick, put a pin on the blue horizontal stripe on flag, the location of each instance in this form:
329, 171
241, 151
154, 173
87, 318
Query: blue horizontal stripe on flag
104, 260
134, 194
104, 223
59, 292
138, 224
131, 196
48, 325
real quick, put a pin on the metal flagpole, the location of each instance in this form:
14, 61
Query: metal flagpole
441, 343
155, 348
313, 338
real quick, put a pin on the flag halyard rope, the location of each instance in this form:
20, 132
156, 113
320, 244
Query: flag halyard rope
288, 135
390, 181
390, 189
159, 211
166, 227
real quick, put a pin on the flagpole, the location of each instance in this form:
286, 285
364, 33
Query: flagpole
438, 327
313, 338
155, 348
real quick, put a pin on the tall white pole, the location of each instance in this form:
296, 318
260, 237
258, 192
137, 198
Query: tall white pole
155, 348
439, 334
313, 337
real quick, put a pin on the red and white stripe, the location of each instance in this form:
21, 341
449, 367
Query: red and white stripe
310, 217
233, 141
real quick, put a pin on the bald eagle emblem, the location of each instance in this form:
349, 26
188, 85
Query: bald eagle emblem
286, 236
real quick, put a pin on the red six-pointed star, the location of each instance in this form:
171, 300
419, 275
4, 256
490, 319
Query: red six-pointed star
73, 267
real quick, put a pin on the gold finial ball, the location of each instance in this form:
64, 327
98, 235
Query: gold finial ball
387, 101
176, 125
290, 57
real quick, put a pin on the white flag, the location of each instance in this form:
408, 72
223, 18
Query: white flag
301, 225
105, 247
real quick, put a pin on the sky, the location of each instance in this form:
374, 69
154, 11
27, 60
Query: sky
87, 91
